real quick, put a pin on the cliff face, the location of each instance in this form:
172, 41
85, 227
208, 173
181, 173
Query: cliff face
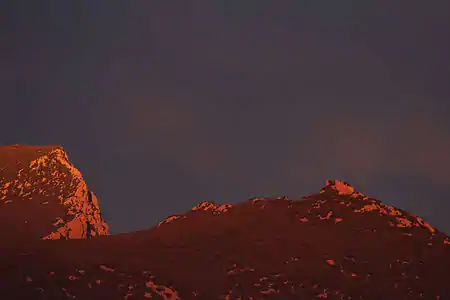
43, 196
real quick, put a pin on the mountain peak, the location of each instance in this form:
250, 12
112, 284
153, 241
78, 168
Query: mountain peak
340, 187
43, 195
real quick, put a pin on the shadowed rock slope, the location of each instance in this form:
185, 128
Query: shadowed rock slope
43, 196
336, 244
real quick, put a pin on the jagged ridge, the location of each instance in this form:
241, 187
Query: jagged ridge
334, 188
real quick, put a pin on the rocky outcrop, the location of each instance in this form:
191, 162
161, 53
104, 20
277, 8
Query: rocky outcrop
340, 187
204, 206
210, 206
398, 218
43, 196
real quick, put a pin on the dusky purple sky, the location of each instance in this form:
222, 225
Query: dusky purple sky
164, 104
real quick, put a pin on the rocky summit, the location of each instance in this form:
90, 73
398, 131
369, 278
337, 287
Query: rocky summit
43, 196
335, 244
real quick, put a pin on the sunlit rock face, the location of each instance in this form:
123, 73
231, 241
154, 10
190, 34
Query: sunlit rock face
43, 196
338, 186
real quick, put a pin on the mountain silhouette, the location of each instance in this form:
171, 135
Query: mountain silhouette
335, 244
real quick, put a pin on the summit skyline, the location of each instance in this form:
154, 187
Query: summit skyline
163, 106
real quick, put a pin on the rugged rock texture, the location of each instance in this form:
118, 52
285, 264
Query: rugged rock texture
336, 244
43, 196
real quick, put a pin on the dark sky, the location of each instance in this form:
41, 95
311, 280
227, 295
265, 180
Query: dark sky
164, 104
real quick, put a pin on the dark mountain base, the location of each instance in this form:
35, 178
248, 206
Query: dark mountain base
326, 246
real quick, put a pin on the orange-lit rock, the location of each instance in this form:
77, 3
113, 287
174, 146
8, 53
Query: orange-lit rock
340, 187
43, 196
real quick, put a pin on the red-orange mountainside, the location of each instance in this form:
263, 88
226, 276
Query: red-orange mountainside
43, 196
335, 244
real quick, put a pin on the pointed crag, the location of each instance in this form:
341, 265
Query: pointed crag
43, 196
339, 187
